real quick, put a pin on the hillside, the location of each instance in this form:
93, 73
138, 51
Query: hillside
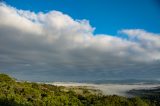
13, 93
151, 94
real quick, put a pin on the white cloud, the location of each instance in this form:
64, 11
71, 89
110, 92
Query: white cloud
54, 42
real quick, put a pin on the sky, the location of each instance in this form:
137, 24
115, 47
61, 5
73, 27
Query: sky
107, 16
75, 40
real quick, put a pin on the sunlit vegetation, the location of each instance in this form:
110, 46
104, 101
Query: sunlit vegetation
13, 93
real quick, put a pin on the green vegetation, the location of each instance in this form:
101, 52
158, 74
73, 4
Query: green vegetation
150, 94
14, 93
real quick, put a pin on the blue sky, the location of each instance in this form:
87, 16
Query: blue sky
107, 16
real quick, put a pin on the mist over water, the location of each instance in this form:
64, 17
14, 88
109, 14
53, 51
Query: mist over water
110, 89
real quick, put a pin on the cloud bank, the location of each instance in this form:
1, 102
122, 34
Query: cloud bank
53, 45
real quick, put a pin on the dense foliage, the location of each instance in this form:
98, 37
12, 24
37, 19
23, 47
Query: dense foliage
13, 93
151, 94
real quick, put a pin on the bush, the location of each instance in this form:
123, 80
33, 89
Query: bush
14, 93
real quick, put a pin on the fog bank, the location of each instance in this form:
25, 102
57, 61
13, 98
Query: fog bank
110, 89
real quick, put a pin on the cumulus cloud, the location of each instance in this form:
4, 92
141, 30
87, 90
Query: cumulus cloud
56, 45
